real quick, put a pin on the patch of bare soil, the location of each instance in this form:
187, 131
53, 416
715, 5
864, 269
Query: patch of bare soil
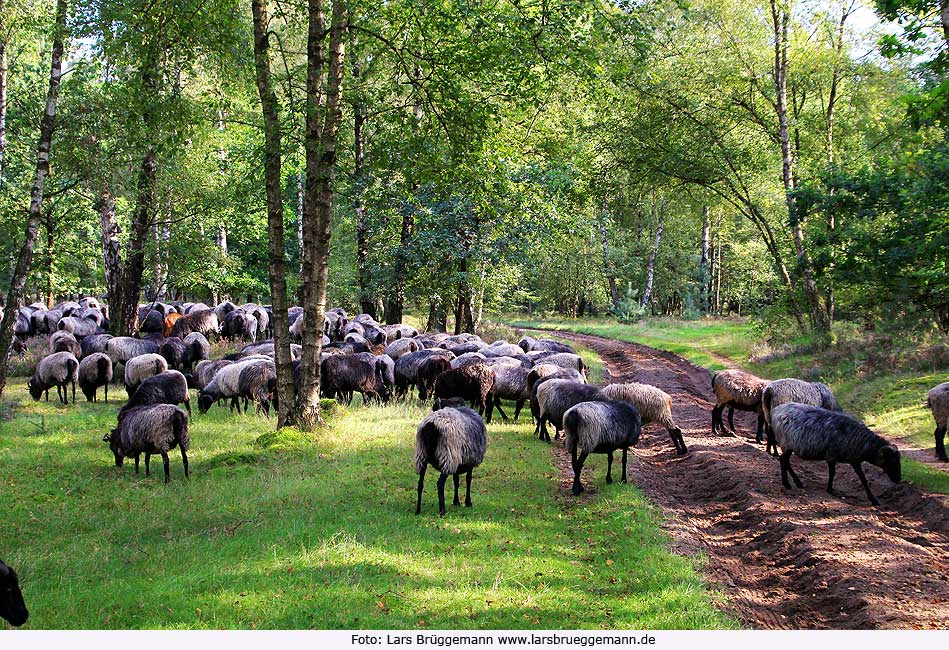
797, 558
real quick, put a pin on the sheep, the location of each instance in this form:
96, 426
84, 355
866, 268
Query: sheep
472, 383
374, 334
153, 429
814, 433
501, 349
78, 327
458, 349
550, 345
153, 322
555, 397
193, 307
94, 315
197, 348
782, 391
568, 360
542, 373
600, 428
453, 440
58, 369
48, 320
383, 364
170, 321
402, 346
466, 358
122, 348
95, 343
67, 307
653, 404
23, 325
428, 371
204, 321
62, 341
257, 382
38, 321
204, 372
938, 401
526, 343
740, 390
221, 310
510, 382
95, 370
356, 340
239, 324
173, 350
407, 367
140, 368
342, 375
90, 303
12, 607
226, 384
168, 387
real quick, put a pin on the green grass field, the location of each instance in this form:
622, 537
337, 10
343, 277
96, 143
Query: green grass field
293, 531
889, 400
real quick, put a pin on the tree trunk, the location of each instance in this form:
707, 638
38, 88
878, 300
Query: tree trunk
111, 246
50, 261
396, 302
781, 19
437, 317
160, 236
3, 83
366, 302
704, 264
464, 321
34, 214
277, 262
944, 19
718, 282
651, 267
321, 141
481, 287
607, 267
300, 197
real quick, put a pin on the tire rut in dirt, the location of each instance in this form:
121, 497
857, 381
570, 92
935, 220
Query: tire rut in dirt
797, 558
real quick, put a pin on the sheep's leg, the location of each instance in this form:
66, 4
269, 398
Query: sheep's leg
106, 392
184, 460
136, 463
542, 428
831, 470
866, 486
497, 403
759, 431
577, 469
486, 405
47, 394
676, 434
609, 467
517, 409
148, 460
794, 476
167, 465
716, 412
940, 436
421, 484
731, 421
625, 453
468, 488
188, 406
73, 392
785, 462
441, 493
456, 501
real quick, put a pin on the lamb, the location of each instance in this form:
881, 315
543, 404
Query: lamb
600, 428
94, 343
168, 387
173, 350
154, 429
58, 369
814, 433
342, 375
740, 390
938, 401
453, 440
402, 346
510, 382
140, 368
472, 383
204, 321
65, 342
555, 397
197, 348
653, 404
782, 391
95, 370
12, 607
122, 348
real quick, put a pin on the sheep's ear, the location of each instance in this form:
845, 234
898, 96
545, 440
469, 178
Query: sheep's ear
107, 437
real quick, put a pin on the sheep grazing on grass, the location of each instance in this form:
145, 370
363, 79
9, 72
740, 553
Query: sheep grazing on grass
154, 429
173, 351
12, 607
257, 383
122, 348
510, 382
600, 427
453, 440
472, 383
737, 389
653, 404
428, 372
938, 401
544, 372
204, 321
814, 433
58, 369
343, 375
65, 342
782, 391
95, 370
94, 343
138, 369
555, 397
226, 384
204, 372
168, 387
407, 368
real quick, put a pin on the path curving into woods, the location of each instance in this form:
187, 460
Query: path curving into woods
797, 558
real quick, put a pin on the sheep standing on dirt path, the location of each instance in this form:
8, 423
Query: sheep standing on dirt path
782, 391
740, 390
938, 401
653, 404
600, 428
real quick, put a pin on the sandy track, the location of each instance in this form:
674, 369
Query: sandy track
797, 558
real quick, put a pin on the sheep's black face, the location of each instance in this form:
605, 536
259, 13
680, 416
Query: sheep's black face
35, 390
205, 402
113, 439
12, 607
888, 459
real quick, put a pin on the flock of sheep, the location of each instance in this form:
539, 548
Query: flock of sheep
171, 356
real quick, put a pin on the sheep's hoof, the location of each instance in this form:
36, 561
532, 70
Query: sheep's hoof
468, 503
577, 489
609, 479
786, 484
441, 513
875, 503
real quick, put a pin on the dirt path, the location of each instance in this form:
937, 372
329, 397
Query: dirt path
795, 558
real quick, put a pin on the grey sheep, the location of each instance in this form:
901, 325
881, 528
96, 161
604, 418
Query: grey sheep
122, 348
168, 387
58, 369
555, 397
197, 348
257, 383
402, 346
95, 370
737, 389
154, 429
569, 361
173, 350
94, 343
139, 368
204, 372
510, 382
938, 401
473, 383
203, 320
653, 404
453, 440
194, 306
78, 327
465, 358
543, 373
226, 384
814, 433
384, 365
782, 391
65, 342
600, 427
407, 368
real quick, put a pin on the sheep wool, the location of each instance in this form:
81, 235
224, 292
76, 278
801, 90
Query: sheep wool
938, 401
653, 404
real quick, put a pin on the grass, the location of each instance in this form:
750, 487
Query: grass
292, 530
888, 396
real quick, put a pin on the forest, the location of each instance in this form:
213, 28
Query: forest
762, 183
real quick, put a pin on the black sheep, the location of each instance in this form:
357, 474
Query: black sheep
12, 607
173, 349
472, 383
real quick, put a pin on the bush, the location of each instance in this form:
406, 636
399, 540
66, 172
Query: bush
24, 364
629, 309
